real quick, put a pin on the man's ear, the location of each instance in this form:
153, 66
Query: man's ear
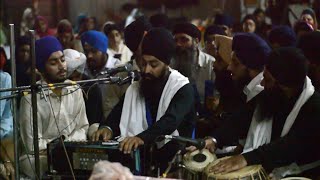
197, 41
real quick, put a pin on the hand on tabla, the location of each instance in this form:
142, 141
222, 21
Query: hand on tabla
210, 145
228, 165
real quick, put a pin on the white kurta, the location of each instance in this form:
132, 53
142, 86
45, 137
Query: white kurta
124, 51
254, 87
68, 114
133, 118
205, 72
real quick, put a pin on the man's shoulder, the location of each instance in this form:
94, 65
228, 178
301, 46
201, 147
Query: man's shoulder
5, 78
4, 74
207, 57
176, 77
112, 62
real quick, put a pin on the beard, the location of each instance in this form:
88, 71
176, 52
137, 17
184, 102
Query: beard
184, 60
272, 101
243, 81
96, 65
150, 86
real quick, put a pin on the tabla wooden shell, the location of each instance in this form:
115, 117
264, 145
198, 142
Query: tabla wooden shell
255, 172
295, 178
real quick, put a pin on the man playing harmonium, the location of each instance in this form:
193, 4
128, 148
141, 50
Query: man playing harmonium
160, 103
61, 111
284, 127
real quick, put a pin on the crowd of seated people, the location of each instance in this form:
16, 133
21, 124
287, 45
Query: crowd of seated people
257, 89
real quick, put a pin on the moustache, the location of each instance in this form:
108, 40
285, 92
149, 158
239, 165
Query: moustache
180, 50
91, 61
147, 76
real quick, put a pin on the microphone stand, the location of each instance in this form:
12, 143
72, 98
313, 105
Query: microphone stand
34, 105
175, 163
14, 104
34, 89
106, 80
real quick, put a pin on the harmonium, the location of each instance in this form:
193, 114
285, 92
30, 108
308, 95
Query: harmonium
82, 156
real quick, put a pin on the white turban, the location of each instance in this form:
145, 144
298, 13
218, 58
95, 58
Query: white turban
76, 61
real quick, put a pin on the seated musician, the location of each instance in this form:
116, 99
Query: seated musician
160, 103
285, 125
248, 59
61, 110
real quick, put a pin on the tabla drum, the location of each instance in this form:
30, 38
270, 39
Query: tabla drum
195, 162
255, 172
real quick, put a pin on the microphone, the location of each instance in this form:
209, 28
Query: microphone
199, 143
133, 75
125, 68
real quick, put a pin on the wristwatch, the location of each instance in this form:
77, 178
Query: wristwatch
212, 138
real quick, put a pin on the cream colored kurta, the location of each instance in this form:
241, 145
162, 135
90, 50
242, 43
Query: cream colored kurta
68, 114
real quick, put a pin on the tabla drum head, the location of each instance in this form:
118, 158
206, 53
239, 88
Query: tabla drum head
198, 160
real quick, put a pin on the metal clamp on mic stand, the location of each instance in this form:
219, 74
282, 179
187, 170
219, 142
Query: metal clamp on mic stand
176, 164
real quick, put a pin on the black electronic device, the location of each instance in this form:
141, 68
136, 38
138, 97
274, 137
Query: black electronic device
83, 156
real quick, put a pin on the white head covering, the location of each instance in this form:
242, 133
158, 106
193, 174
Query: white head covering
76, 61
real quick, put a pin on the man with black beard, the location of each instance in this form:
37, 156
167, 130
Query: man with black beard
61, 111
95, 46
161, 103
285, 125
193, 63
247, 62
230, 94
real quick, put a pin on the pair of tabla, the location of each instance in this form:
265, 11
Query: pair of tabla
198, 163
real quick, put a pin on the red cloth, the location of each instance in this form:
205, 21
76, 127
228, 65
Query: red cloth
3, 59
38, 30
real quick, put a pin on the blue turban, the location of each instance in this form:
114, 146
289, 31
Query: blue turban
283, 35
251, 50
44, 48
95, 39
